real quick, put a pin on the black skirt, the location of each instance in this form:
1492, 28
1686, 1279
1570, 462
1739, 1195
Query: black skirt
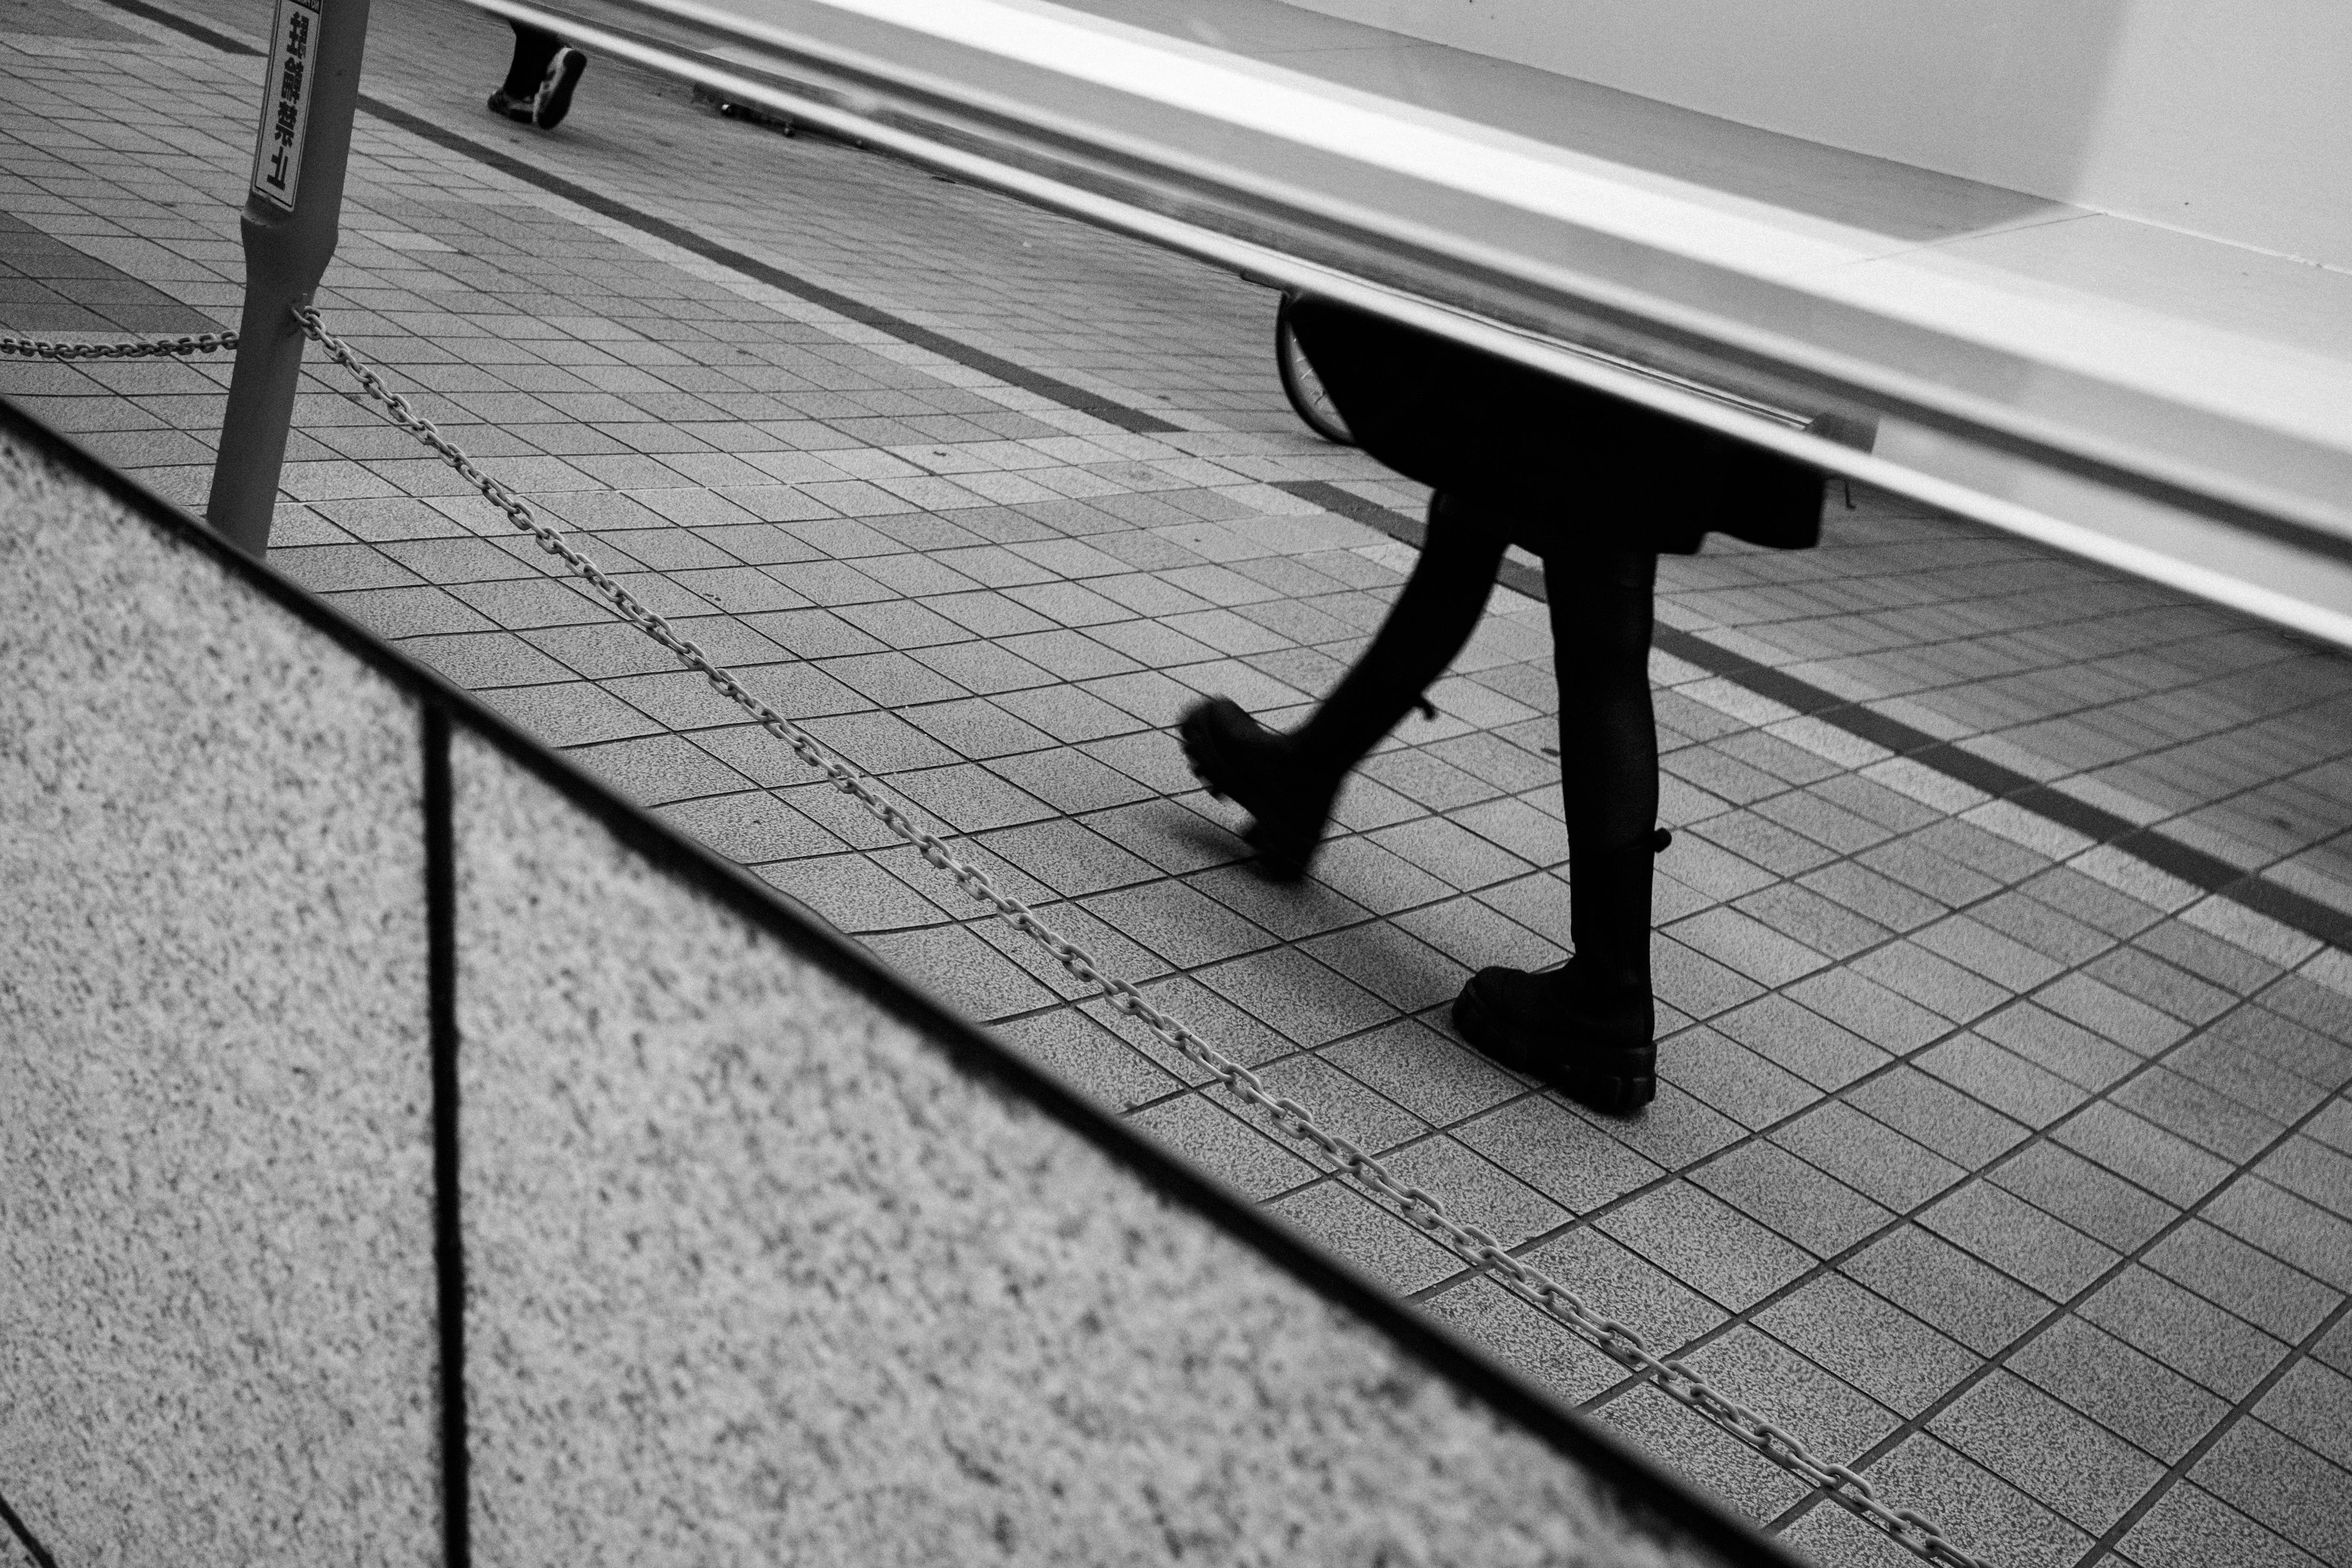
1568, 464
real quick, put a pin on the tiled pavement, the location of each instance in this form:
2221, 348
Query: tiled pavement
1996, 1153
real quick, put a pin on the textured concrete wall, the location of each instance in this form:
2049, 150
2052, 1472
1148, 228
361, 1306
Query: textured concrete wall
216, 1335
758, 1274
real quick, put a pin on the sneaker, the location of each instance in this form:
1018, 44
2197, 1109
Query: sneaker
555, 98
511, 108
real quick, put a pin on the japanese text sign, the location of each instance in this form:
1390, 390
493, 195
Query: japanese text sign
286, 103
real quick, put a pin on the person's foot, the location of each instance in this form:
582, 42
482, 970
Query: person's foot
511, 108
1597, 1051
1242, 761
555, 98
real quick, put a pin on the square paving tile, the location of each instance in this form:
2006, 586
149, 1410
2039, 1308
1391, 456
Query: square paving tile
1516, 1333
1560, 1155
2283, 1485
1809, 1207
2034, 1441
2002, 1524
1224, 1144
2060, 1182
1360, 1231
2313, 1404
1869, 1343
1707, 1244
2188, 1527
1090, 1058
1476, 1191
2021, 1241
1627, 1287
1972, 1301
2221, 1352
1425, 1072
1718, 1461
2131, 1395
1867, 1155
2264, 1291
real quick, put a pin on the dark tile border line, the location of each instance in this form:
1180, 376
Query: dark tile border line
1645, 1491
25, 1537
1068, 396
2209, 873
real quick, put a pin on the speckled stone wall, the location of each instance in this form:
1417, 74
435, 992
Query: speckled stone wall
216, 1332
759, 1275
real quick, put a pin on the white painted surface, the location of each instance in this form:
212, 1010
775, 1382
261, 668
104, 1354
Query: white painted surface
2220, 117
2111, 343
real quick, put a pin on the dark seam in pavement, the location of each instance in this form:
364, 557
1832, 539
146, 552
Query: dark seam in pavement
1134, 420
2211, 873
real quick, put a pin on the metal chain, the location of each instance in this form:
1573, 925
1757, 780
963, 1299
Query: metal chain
137, 348
1473, 1245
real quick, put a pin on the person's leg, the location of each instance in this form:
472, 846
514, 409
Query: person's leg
1287, 782
1589, 1029
1602, 618
534, 47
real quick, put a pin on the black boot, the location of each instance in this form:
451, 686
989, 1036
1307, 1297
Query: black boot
1591, 1043
1287, 795
1288, 783
1588, 1028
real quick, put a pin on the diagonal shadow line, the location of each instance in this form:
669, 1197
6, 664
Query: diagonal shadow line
24, 1536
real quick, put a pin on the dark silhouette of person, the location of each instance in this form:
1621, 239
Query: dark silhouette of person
1598, 487
539, 78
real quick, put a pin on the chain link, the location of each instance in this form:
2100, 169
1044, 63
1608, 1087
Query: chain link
1420, 1208
137, 348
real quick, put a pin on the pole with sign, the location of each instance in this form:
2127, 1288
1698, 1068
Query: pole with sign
293, 210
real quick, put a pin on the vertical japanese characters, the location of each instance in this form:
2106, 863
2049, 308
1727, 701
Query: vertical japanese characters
286, 103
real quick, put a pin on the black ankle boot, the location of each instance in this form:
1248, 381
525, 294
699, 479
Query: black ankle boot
1266, 777
1242, 761
1592, 1041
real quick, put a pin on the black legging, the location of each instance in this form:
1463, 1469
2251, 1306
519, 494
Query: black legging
1601, 615
534, 48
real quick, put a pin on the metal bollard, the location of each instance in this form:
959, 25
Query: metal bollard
293, 210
